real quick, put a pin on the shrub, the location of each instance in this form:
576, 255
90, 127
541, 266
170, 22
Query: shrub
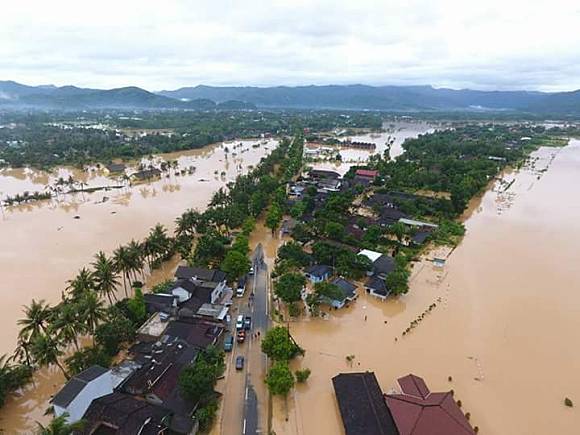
302, 375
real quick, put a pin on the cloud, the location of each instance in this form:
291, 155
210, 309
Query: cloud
162, 45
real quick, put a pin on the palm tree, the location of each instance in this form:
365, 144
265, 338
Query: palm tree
59, 426
81, 284
37, 316
137, 258
105, 276
92, 312
67, 324
46, 351
123, 264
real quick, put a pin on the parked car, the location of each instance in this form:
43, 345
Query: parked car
248, 323
251, 272
228, 343
241, 289
240, 322
240, 362
241, 336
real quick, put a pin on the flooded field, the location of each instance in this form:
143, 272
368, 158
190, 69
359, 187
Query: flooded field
43, 245
394, 134
505, 323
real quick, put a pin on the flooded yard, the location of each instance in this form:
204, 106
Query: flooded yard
505, 321
43, 245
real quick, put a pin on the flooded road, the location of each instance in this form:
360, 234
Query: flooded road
505, 326
43, 245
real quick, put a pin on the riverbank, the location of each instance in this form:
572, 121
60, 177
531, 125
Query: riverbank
501, 328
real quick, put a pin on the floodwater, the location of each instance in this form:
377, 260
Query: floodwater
43, 245
505, 326
395, 133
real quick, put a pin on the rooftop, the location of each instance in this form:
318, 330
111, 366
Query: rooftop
361, 404
367, 173
417, 411
153, 327
371, 255
119, 413
76, 384
318, 270
196, 332
200, 273
348, 288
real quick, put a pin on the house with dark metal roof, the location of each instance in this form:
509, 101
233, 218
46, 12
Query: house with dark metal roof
147, 174
200, 273
361, 404
196, 332
321, 173
116, 168
77, 394
420, 237
119, 414
156, 381
382, 265
202, 280
418, 411
348, 290
318, 272
160, 302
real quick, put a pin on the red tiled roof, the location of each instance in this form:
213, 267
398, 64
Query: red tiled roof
419, 412
414, 386
367, 173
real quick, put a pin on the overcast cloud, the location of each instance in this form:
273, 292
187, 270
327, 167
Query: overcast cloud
492, 44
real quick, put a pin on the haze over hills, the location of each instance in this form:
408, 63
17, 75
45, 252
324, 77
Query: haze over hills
346, 97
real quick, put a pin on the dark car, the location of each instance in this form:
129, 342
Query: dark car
239, 362
247, 323
228, 343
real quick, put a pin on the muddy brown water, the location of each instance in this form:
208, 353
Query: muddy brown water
42, 245
506, 326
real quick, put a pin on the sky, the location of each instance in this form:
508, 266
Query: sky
491, 44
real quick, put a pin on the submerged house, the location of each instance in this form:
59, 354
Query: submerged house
348, 291
382, 265
201, 280
318, 273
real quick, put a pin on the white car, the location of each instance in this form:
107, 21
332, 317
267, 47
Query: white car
240, 322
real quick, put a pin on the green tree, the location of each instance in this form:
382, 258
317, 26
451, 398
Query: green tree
92, 311
334, 230
87, 357
289, 286
279, 345
37, 315
398, 281
273, 217
302, 375
280, 379
235, 264
117, 330
59, 426
46, 351
105, 276
137, 307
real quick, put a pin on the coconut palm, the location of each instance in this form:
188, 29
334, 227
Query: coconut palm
105, 276
123, 264
81, 284
91, 311
46, 351
67, 324
137, 258
37, 317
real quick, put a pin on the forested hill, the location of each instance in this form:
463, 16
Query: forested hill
348, 97
388, 98
16, 95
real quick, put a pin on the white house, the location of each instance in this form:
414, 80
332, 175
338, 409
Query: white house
78, 393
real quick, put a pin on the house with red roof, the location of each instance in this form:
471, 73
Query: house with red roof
367, 173
418, 411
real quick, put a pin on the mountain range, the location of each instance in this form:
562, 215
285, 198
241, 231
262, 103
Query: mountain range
345, 97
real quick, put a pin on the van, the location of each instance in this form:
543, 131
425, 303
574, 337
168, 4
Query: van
228, 343
240, 322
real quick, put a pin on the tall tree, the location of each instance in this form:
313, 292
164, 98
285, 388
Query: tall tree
37, 316
105, 276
